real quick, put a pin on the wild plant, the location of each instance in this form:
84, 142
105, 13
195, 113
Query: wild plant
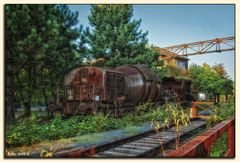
176, 115
143, 108
157, 126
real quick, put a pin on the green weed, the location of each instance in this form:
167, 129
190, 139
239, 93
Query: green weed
32, 130
131, 130
220, 147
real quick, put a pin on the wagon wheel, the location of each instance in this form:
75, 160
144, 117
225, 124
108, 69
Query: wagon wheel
166, 93
175, 98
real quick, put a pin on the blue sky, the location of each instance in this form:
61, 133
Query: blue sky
169, 25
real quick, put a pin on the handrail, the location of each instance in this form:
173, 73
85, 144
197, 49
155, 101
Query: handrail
196, 106
200, 146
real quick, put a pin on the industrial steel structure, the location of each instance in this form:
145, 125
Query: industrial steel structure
202, 47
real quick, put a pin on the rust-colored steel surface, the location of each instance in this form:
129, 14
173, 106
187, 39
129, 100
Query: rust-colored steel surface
87, 87
86, 82
142, 84
201, 145
115, 85
181, 87
201, 47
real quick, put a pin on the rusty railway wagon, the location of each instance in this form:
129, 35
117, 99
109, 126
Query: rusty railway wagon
181, 88
93, 89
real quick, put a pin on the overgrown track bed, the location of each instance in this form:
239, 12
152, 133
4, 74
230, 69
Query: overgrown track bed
143, 145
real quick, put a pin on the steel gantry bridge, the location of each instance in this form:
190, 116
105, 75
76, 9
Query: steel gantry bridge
203, 47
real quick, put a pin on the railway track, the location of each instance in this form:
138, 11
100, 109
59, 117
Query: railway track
149, 145
143, 145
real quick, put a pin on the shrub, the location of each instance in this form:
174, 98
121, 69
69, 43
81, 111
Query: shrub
32, 130
222, 112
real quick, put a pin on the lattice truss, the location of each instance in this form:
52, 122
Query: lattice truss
201, 47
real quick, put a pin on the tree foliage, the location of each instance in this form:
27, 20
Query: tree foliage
207, 79
116, 39
219, 68
114, 34
40, 47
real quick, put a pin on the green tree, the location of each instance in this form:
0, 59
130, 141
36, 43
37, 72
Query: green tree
228, 87
207, 79
116, 39
228, 83
40, 47
64, 52
114, 34
219, 68
16, 30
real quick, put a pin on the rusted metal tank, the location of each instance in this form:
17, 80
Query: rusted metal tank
142, 84
87, 87
84, 83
